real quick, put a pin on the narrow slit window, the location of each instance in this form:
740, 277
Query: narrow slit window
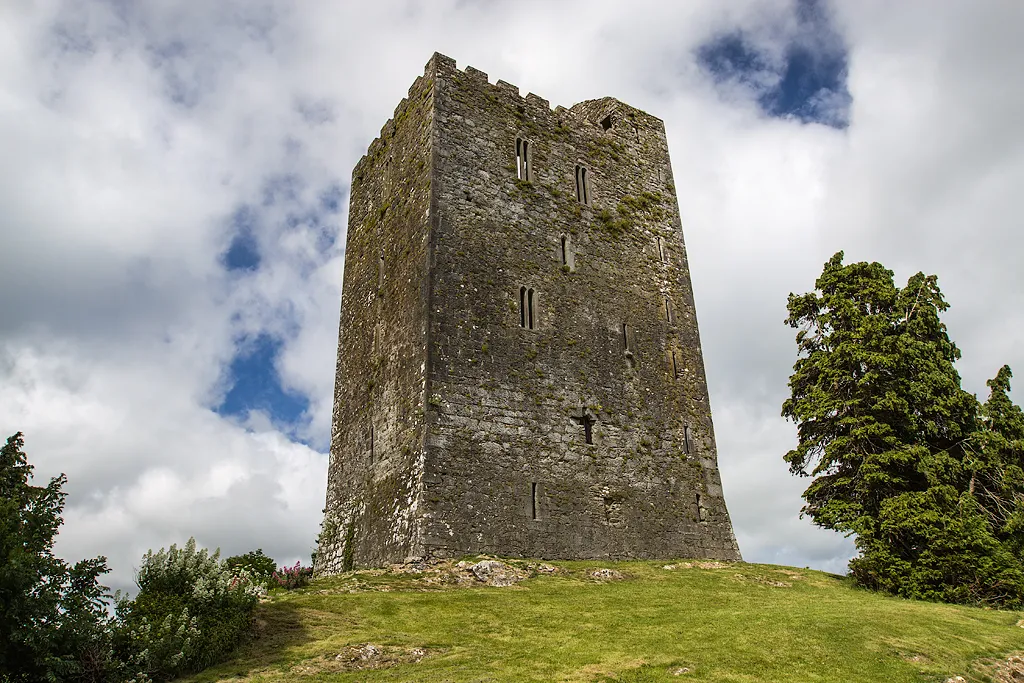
670, 314
533, 500
380, 272
523, 159
582, 185
373, 445
522, 307
686, 439
675, 364
530, 300
626, 346
566, 253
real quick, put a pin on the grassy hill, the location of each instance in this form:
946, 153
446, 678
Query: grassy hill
643, 621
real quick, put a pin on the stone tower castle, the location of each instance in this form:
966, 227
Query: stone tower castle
519, 369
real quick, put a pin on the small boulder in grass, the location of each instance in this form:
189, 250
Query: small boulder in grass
495, 573
605, 574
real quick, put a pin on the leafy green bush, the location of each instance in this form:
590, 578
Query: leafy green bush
191, 610
258, 565
936, 545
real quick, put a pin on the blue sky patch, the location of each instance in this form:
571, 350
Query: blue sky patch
256, 385
243, 253
805, 81
330, 199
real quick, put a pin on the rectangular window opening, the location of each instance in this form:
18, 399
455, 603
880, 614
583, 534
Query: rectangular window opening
686, 439
625, 339
662, 249
582, 186
670, 315
565, 252
675, 365
533, 500
522, 307
530, 303
524, 155
519, 158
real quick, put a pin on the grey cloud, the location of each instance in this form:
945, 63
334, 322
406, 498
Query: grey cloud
130, 139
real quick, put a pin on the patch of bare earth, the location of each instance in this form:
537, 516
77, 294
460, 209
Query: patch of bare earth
761, 580
366, 656
1006, 670
359, 658
441, 575
698, 564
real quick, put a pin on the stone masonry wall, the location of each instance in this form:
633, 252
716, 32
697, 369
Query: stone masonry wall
378, 425
507, 469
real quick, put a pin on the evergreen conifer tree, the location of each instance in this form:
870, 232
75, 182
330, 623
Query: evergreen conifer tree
901, 456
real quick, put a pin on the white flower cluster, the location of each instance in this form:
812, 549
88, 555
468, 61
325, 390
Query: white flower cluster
167, 643
199, 572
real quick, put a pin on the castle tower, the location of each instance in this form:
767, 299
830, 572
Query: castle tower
519, 368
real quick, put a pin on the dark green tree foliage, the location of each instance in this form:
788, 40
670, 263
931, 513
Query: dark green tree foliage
996, 463
52, 619
900, 454
259, 565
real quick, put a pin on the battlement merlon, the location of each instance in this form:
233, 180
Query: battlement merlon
591, 111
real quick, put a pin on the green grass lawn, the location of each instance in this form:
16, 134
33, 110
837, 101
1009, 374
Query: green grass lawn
735, 622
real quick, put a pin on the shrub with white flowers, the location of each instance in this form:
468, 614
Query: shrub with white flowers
190, 611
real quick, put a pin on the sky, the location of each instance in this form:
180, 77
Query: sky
174, 183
